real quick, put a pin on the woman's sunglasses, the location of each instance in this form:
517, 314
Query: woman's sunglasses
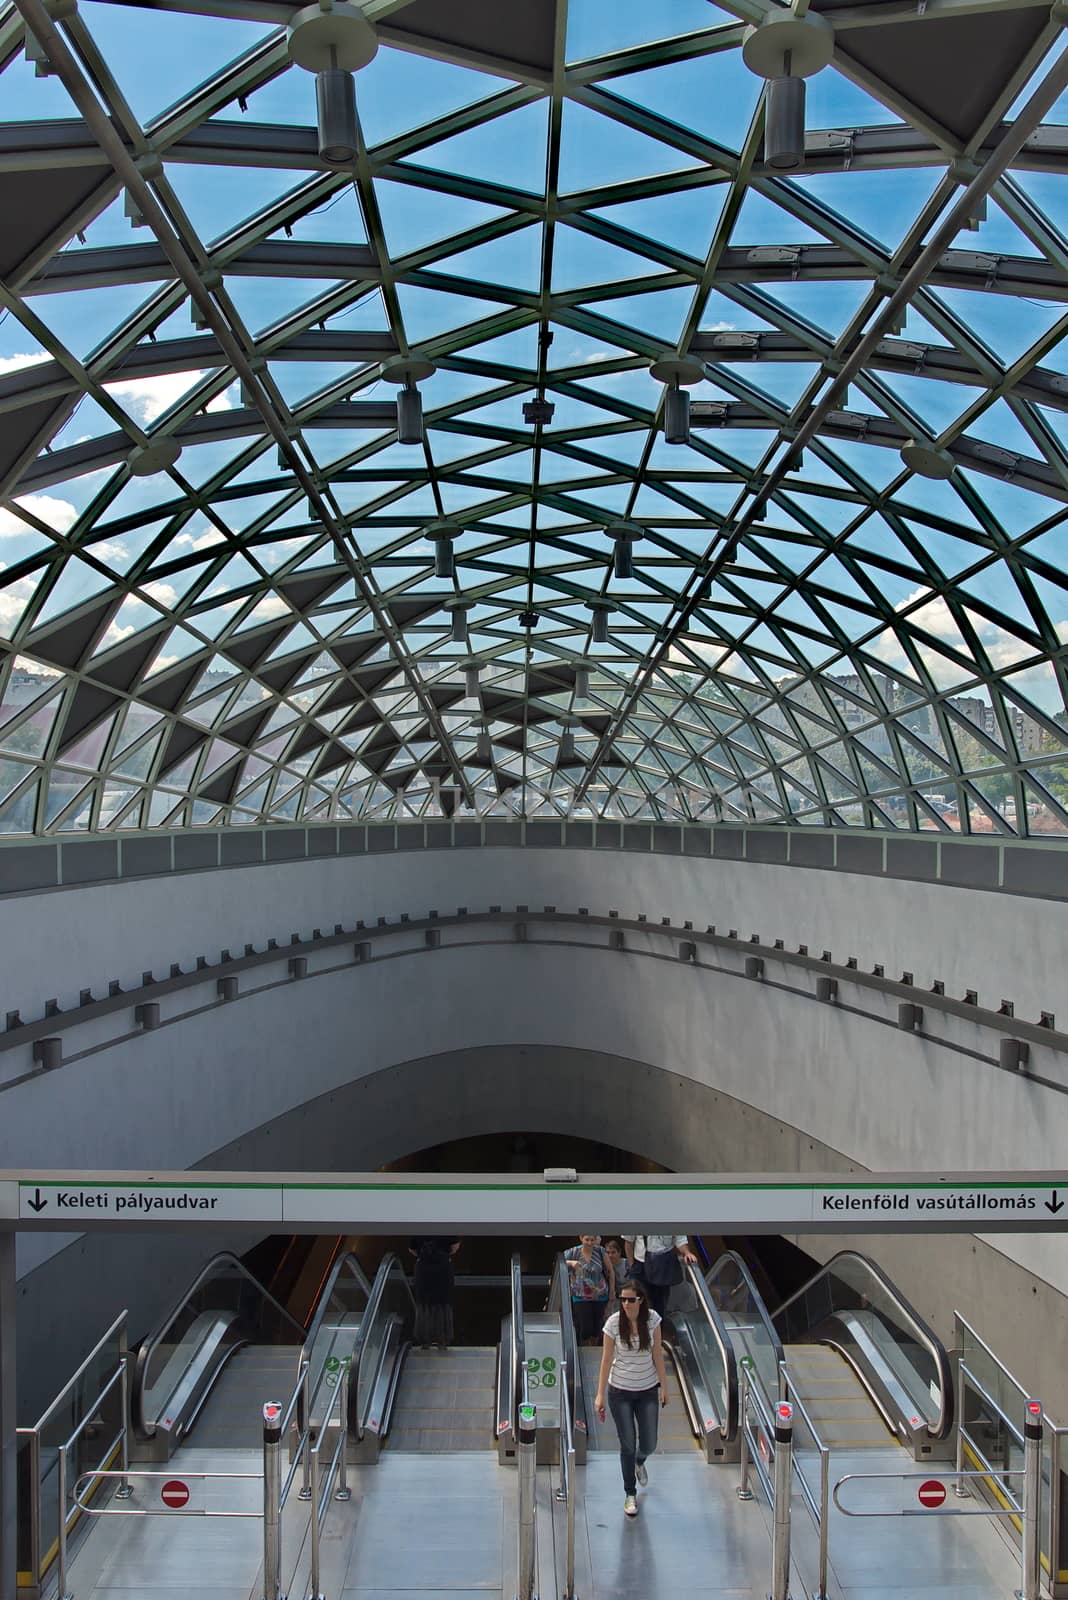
629, 1300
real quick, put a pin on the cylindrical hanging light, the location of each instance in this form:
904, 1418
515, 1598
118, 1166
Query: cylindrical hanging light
441, 535
625, 536
409, 415
566, 754
676, 417
471, 680
677, 372
335, 104
784, 124
582, 683
484, 745
444, 565
599, 624
459, 624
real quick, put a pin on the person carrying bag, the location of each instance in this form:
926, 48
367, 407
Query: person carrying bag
656, 1259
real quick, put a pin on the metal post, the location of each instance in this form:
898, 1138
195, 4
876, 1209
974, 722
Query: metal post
744, 1491
570, 1571
62, 1592
123, 1492
526, 1450
8, 1437
1031, 1554
780, 1547
825, 1506
272, 1493
315, 1519
343, 1491
305, 1481
960, 1487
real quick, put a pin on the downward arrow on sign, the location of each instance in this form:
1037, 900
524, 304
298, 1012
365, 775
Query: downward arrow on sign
1054, 1205
37, 1204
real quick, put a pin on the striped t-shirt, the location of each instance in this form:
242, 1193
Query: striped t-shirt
631, 1368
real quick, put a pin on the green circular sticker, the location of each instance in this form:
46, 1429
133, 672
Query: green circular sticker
533, 1364
535, 1383
549, 1380
332, 1363
549, 1363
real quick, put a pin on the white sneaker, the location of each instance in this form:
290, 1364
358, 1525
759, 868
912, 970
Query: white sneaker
630, 1506
641, 1474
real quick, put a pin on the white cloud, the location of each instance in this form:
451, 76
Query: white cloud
200, 541
164, 593
16, 363
273, 606
935, 618
115, 635
59, 515
149, 398
13, 602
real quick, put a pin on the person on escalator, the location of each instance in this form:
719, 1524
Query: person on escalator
432, 1289
658, 1260
632, 1377
592, 1286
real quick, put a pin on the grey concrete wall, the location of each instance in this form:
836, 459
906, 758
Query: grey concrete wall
62, 941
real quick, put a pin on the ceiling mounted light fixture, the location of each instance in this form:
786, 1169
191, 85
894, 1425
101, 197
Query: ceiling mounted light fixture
677, 372
927, 460
625, 536
333, 40
786, 49
459, 624
471, 673
155, 455
599, 620
408, 371
441, 535
483, 744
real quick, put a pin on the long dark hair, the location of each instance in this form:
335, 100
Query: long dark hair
635, 1286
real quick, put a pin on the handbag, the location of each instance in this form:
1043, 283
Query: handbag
663, 1269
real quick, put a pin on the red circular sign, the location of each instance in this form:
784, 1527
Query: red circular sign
175, 1494
931, 1492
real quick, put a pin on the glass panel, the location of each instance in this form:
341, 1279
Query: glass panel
745, 1316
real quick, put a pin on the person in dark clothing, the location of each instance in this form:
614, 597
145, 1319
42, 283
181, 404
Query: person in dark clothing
433, 1284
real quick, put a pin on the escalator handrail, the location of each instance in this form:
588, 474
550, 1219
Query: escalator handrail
148, 1346
356, 1423
517, 1348
560, 1289
729, 1424
757, 1298
925, 1335
352, 1263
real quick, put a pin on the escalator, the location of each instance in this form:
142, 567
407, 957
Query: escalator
228, 1339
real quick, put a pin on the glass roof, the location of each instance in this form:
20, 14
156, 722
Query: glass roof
545, 201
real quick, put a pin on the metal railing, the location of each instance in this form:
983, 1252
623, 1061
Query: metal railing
517, 1353
346, 1294
988, 1397
88, 1416
851, 1303
819, 1509
568, 1482
766, 1436
322, 1483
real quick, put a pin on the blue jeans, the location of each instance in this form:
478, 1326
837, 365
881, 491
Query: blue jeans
636, 1414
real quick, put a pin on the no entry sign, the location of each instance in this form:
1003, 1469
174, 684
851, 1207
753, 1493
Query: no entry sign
175, 1494
931, 1493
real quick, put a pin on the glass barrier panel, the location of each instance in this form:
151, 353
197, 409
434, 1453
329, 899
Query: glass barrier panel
745, 1317
854, 1295
394, 1306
